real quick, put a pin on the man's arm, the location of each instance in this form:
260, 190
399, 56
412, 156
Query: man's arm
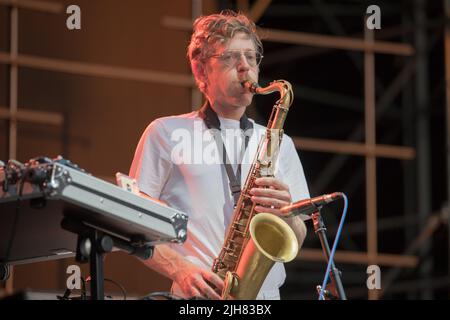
192, 279
151, 167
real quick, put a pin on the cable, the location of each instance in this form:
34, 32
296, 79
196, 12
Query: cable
124, 292
83, 289
88, 279
167, 295
336, 240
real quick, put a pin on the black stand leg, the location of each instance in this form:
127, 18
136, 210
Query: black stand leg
320, 229
91, 245
101, 244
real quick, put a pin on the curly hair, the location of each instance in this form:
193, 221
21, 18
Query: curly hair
217, 29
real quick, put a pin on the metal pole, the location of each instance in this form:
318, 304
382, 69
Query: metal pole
337, 287
409, 179
447, 92
371, 173
13, 89
423, 138
196, 95
13, 81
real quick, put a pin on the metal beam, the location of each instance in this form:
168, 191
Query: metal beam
196, 95
88, 69
297, 52
32, 116
13, 114
447, 123
13, 80
420, 284
258, 9
356, 257
431, 225
284, 10
355, 292
386, 100
354, 183
185, 80
336, 42
36, 5
337, 161
388, 223
326, 97
243, 6
408, 171
423, 134
354, 148
371, 173
310, 39
98, 70
336, 27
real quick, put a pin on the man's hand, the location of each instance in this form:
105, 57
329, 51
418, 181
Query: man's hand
270, 195
195, 281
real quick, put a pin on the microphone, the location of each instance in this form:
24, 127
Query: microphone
309, 206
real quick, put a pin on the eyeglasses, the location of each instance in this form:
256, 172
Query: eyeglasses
232, 57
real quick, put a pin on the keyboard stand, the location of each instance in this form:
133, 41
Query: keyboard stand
92, 244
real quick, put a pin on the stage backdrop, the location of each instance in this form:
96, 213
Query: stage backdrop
103, 117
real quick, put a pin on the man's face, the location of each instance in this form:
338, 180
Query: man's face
224, 78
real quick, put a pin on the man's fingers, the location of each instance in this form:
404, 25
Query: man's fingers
214, 279
271, 193
206, 290
210, 293
270, 202
269, 210
269, 181
193, 292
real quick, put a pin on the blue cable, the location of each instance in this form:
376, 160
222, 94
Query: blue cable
336, 240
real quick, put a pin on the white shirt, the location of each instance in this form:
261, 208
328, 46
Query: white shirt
174, 162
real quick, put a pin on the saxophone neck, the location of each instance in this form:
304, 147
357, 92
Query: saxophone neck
251, 86
281, 107
282, 86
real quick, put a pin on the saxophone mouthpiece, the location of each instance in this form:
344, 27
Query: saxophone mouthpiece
250, 85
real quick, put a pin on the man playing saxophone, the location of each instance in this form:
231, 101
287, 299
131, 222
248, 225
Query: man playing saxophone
224, 51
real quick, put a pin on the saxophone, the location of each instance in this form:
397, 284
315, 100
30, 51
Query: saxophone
254, 242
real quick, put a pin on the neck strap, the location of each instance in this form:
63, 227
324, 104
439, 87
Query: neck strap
212, 122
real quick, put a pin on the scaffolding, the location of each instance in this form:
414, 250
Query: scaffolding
418, 222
